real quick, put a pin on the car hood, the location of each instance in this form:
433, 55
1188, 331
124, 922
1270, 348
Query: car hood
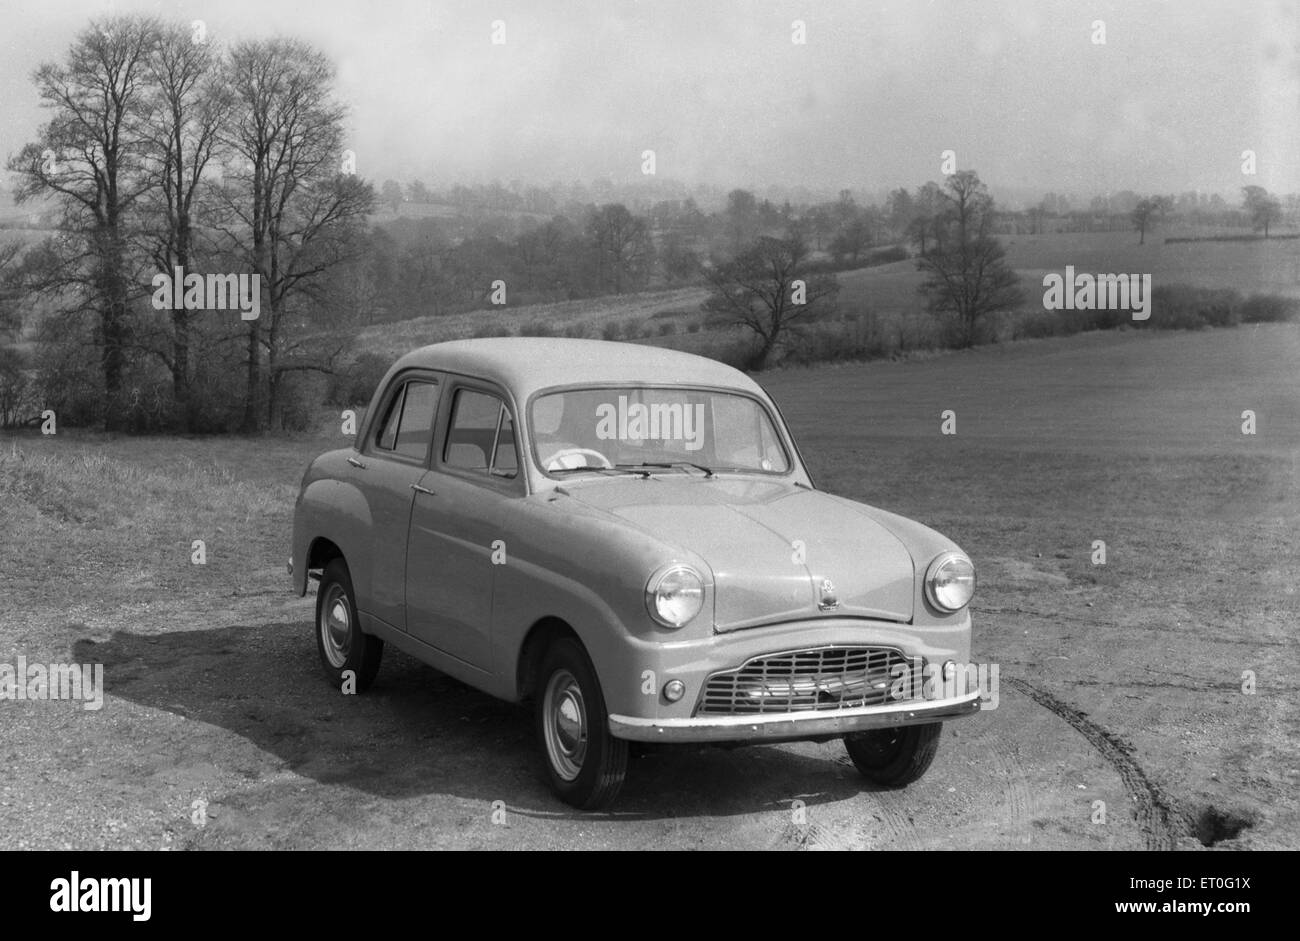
771, 546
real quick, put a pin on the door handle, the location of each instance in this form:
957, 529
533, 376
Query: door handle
355, 463
418, 489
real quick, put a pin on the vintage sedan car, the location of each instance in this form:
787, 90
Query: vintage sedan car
628, 537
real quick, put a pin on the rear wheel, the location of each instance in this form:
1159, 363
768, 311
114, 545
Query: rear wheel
585, 764
342, 646
894, 757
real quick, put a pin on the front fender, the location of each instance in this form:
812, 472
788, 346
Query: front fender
332, 510
588, 570
924, 544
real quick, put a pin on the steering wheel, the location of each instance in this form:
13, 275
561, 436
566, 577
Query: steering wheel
575, 457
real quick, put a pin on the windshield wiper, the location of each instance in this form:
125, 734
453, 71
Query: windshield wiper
617, 469
670, 464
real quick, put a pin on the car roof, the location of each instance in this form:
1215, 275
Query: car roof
526, 364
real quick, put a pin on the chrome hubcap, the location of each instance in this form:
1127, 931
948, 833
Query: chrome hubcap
564, 717
336, 626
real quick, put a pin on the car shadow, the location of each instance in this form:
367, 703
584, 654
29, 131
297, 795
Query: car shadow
417, 731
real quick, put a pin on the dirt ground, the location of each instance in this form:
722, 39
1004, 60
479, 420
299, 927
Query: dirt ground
1119, 683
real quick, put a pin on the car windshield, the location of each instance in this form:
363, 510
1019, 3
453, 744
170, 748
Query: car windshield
654, 429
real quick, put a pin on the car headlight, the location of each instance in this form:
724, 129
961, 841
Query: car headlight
950, 582
674, 595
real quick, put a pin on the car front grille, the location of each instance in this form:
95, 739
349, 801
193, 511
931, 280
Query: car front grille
815, 680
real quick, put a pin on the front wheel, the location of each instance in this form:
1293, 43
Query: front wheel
585, 764
342, 646
894, 757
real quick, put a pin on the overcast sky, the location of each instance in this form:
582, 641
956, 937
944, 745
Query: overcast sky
722, 95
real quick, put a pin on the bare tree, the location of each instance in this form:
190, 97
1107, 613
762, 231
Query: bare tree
290, 211
853, 240
188, 111
766, 288
90, 157
927, 208
1264, 207
549, 255
966, 270
1148, 213
622, 247
900, 209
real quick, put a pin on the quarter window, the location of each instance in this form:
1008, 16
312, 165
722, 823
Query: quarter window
505, 464
388, 430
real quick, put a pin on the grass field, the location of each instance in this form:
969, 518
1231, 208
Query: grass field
1131, 439
1271, 267
1135, 440
887, 292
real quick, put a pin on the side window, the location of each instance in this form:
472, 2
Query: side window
481, 435
407, 428
415, 431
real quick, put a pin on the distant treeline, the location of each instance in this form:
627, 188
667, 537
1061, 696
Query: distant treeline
546, 245
414, 266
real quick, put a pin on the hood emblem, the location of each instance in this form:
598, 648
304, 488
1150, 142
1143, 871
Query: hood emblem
828, 599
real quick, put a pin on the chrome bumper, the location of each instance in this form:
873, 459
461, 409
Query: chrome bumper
792, 726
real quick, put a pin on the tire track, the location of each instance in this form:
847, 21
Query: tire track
895, 814
1160, 823
893, 828
891, 810
815, 836
1019, 798
1021, 802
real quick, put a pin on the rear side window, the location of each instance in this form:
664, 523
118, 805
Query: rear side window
407, 429
481, 435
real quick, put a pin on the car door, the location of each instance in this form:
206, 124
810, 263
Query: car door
456, 523
392, 461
